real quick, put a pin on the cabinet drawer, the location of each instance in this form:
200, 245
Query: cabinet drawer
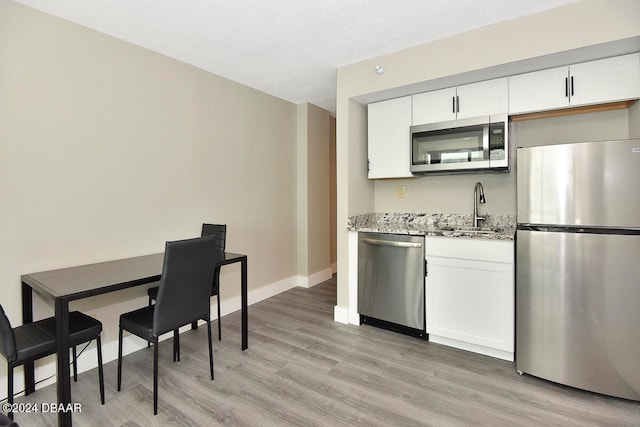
470, 249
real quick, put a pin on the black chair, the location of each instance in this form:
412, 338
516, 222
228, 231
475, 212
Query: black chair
220, 231
36, 340
183, 298
6, 421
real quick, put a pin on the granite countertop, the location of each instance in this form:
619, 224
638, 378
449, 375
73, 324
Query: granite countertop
495, 227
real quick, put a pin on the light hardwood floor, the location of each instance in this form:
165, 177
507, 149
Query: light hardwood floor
304, 369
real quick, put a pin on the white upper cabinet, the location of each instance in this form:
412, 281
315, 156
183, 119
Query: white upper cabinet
435, 106
483, 98
606, 80
594, 82
472, 100
541, 90
389, 138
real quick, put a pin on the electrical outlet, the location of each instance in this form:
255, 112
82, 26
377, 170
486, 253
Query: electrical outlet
401, 191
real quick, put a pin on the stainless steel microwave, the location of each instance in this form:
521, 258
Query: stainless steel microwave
465, 145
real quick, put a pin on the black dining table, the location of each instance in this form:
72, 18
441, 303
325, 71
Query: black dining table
68, 284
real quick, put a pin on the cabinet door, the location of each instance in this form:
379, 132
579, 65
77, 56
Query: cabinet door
389, 145
606, 80
483, 98
539, 91
435, 106
471, 301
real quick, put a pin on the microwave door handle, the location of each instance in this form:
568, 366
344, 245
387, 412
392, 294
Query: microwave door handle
485, 141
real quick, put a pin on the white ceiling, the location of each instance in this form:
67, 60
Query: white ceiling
287, 48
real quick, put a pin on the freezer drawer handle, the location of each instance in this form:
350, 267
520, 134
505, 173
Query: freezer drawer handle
392, 243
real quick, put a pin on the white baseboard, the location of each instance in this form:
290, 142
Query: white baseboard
315, 279
341, 315
46, 367
88, 360
487, 351
230, 305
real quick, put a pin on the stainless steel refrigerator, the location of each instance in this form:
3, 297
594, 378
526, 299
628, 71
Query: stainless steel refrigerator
578, 265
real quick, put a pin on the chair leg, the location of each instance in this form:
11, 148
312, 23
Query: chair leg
219, 320
149, 342
10, 391
75, 364
176, 345
119, 358
155, 376
100, 372
210, 347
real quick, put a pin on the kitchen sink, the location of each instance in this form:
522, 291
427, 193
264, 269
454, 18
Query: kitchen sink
482, 230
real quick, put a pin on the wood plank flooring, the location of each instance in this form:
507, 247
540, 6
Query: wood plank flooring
304, 369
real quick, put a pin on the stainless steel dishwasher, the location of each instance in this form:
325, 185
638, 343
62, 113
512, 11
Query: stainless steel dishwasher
391, 270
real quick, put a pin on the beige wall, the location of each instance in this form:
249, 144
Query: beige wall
552, 32
634, 121
108, 150
572, 26
355, 193
314, 191
332, 191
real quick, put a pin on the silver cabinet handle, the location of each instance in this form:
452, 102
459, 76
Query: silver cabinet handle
572, 86
485, 142
392, 243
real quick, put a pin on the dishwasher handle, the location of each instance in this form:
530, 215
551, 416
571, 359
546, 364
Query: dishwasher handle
377, 242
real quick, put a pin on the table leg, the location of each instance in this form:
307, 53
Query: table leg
63, 380
243, 292
27, 317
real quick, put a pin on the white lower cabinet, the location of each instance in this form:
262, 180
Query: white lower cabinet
470, 294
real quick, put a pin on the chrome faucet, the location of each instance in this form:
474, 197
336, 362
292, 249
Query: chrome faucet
476, 217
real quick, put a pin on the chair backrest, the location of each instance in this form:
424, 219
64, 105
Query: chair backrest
185, 284
218, 230
8, 345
